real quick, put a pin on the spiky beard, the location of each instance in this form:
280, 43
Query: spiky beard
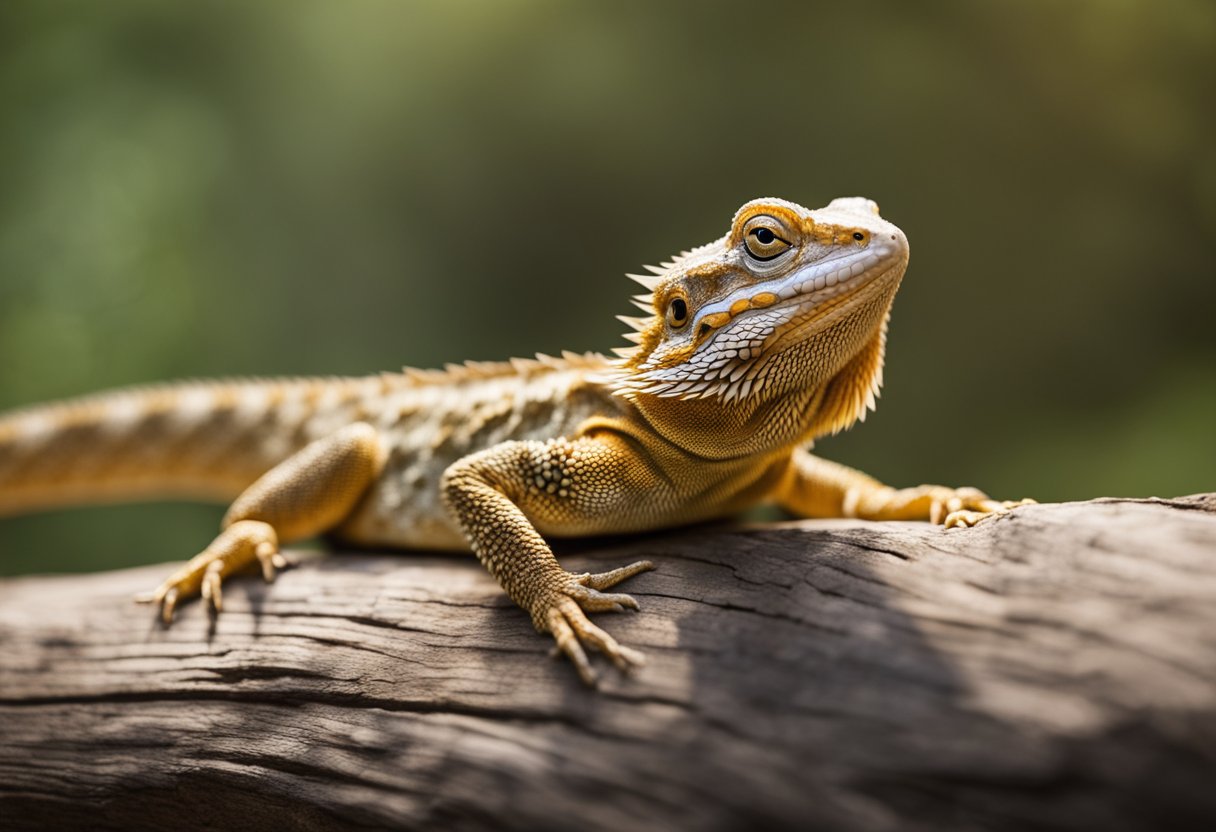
733, 365
847, 396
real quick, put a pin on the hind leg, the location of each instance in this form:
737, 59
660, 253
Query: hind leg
308, 493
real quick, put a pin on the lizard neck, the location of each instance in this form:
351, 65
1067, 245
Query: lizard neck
714, 430
818, 386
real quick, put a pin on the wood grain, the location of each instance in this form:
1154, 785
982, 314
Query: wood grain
1052, 669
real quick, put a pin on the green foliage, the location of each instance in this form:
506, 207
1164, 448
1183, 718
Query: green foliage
311, 187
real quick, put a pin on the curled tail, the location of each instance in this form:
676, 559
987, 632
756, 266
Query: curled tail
204, 440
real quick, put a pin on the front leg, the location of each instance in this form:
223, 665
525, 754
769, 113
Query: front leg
815, 487
567, 486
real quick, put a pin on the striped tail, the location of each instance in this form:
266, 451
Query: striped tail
206, 440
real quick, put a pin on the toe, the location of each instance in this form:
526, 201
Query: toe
593, 600
572, 630
568, 644
212, 586
168, 605
605, 580
270, 560
623, 657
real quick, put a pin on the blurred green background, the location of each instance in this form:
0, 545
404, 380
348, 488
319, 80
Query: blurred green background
315, 187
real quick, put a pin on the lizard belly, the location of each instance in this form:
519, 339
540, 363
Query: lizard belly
403, 510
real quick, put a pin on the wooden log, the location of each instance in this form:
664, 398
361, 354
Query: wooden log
1055, 668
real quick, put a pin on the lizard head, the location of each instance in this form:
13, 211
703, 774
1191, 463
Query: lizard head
789, 298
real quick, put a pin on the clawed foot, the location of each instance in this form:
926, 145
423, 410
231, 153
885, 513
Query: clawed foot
564, 615
239, 545
962, 507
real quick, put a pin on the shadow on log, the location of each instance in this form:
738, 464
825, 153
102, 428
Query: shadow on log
1055, 668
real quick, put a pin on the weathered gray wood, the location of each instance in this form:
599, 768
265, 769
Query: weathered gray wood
1054, 669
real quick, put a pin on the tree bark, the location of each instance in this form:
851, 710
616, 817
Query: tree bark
1054, 668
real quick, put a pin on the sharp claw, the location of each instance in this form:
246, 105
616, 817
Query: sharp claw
168, 605
269, 559
236, 547
595, 601
585, 672
967, 507
605, 580
273, 562
567, 621
633, 658
568, 643
212, 583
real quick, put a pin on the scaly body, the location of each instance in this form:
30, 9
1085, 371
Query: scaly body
751, 347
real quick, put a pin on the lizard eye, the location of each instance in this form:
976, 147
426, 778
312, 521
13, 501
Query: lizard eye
677, 312
763, 243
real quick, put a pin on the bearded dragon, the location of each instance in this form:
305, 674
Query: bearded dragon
748, 349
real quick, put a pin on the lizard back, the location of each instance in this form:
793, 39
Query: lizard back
212, 439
